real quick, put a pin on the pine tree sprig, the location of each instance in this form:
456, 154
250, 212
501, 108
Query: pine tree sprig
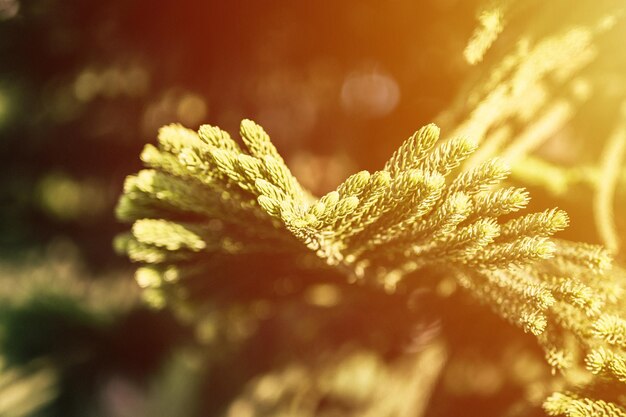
206, 198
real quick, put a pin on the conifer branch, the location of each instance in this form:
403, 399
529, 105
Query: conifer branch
207, 198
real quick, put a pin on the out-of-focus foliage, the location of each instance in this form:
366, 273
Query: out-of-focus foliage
25, 390
67, 336
358, 383
550, 100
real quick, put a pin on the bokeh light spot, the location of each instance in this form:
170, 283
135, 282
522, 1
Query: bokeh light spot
4, 108
369, 93
9, 9
323, 295
87, 86
191, 109
67, 199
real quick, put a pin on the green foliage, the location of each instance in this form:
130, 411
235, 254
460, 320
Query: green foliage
206, 201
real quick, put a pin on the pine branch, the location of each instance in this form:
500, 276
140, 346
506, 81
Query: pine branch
206, 197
